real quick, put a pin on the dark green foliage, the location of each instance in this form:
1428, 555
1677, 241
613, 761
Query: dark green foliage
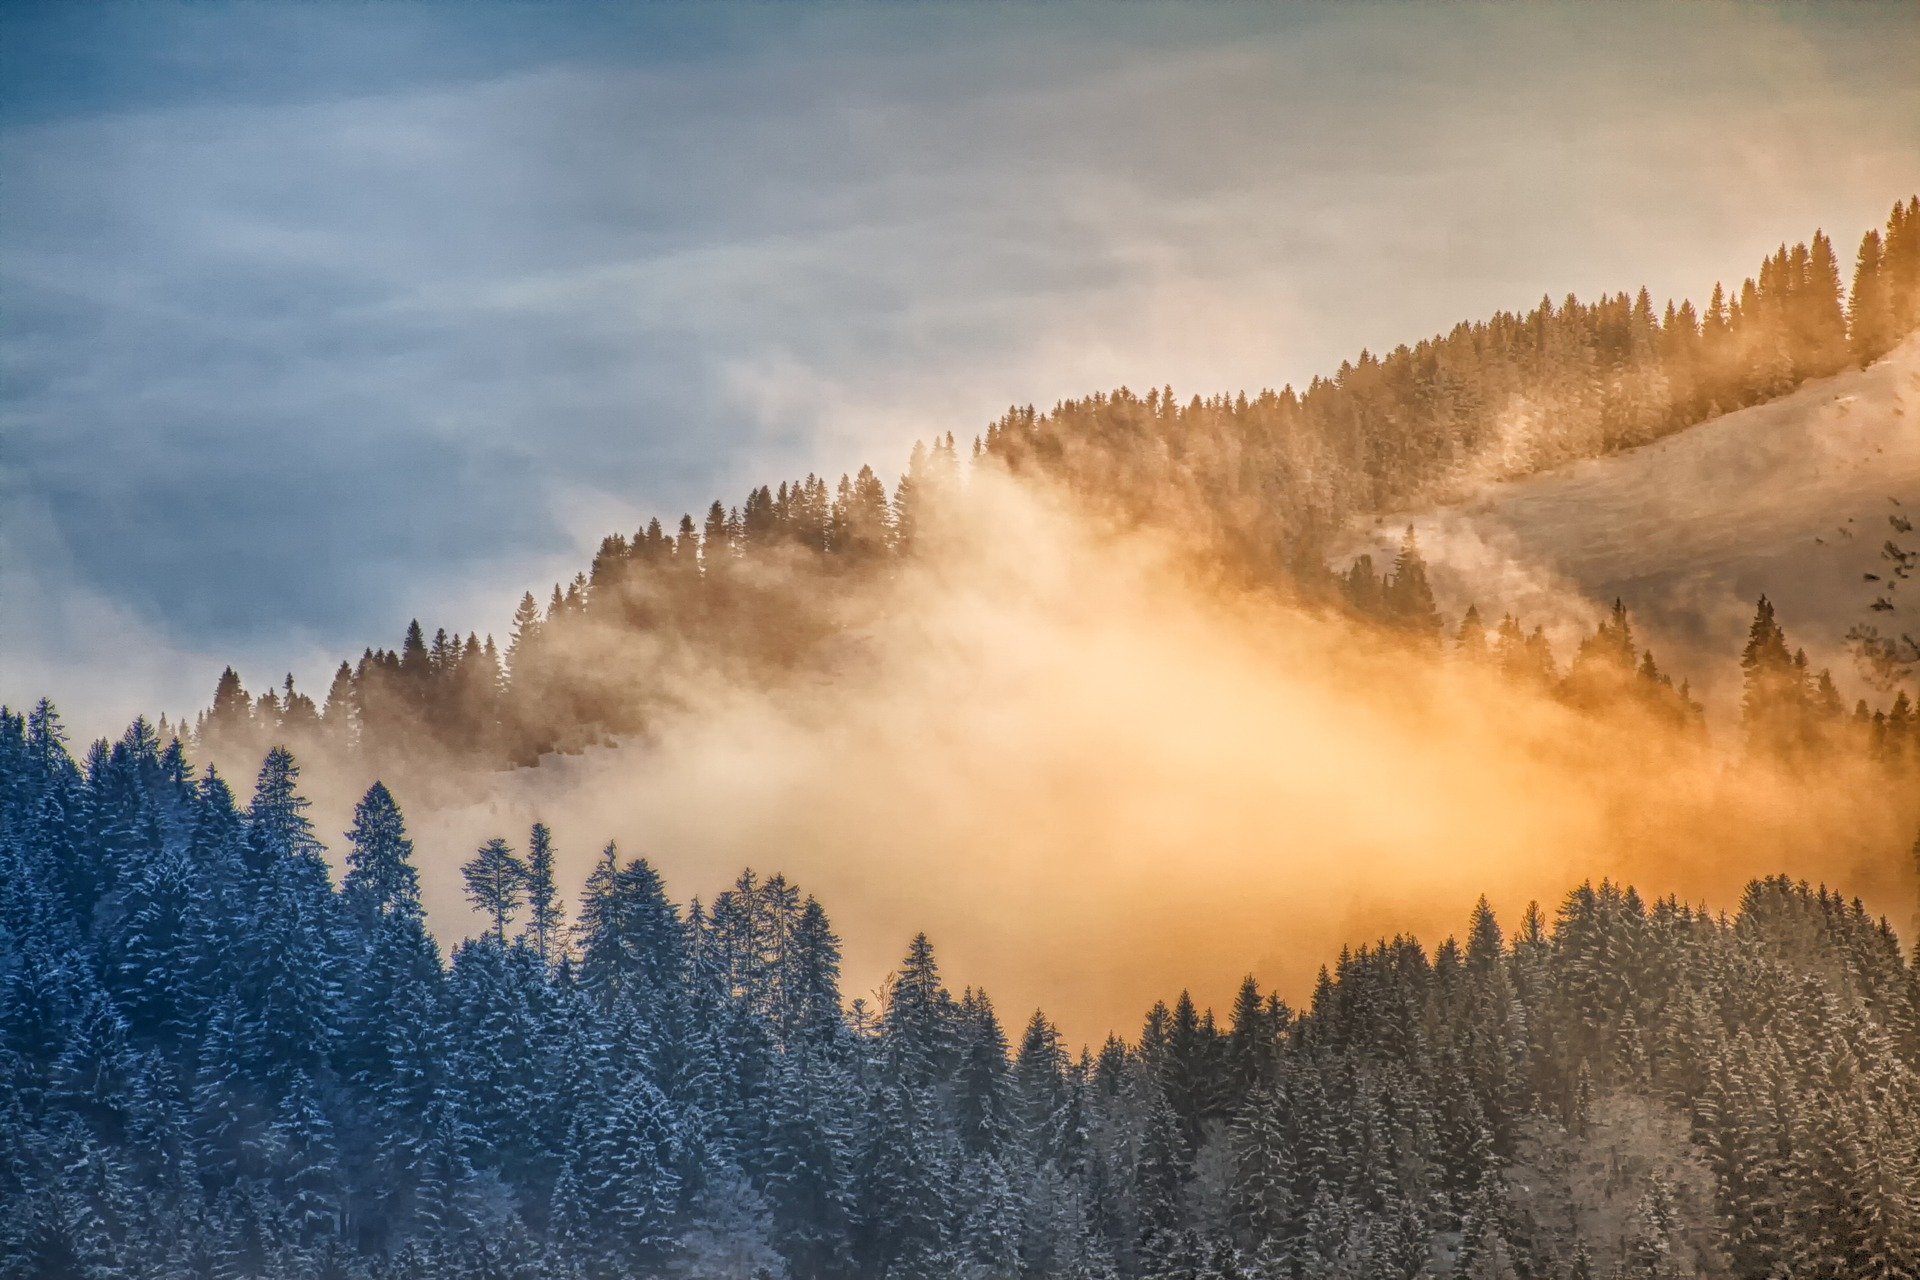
545, 915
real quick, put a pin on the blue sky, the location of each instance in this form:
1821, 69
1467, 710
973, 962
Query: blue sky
314, 318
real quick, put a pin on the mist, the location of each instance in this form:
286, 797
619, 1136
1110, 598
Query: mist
1790, 498
1096, 776
377, 310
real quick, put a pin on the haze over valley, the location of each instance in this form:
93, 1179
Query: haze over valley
1048, 642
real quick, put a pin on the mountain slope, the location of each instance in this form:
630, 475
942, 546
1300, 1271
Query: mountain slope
1792, 498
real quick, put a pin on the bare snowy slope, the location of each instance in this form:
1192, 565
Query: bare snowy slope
1796, 499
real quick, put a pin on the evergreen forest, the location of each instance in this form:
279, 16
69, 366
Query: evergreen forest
230, 1047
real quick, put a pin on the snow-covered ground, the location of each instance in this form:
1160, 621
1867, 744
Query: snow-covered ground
1792, 499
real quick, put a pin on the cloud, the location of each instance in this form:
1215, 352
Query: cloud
1094, 780
299, 343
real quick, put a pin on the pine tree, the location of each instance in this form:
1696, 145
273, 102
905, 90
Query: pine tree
380, 877
307, 1175
1158, 1180
546, 918
1773, 706
340, 714
1471, 642
901, 1223
164, 953
809, 1167
632, 940
917, 1028
1509, 394
213, 1070
984, 1099
621, 1158
1871, 318
231, 715
1823, 330
1045, 1098
812, 985
416, 665
1263, 1208
1408, 597
288, 975
1916, 896
496, 882
277, 824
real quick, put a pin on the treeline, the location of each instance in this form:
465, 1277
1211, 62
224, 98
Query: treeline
1609, 672
1251, 485
1266, 476
217, 1062
1789, 712
754, 594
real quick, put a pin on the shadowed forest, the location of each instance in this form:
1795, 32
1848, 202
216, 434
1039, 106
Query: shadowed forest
218, 1063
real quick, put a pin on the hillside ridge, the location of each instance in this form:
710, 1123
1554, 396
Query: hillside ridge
1795, 499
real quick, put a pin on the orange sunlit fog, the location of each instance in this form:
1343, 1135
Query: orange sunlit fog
1094, 781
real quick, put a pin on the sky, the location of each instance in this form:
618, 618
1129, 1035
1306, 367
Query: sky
317, 318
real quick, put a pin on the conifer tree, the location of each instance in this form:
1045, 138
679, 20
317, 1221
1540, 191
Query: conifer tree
632, 940
380, 876
1471, 641
340, 714
1264, 1177
809, 1168
1871, 322
813, 985
1774, 702
545, 916
213, 1069
496, 883
277, 824
1508, 394
902, 1224
1408, 597
232, 712
917, 1029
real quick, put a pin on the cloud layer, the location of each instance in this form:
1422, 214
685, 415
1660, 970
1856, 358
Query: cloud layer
1093, 780
313, 320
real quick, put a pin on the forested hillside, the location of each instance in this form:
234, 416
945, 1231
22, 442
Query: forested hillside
215, 1062
1251, 487
1808, 498
229, 1051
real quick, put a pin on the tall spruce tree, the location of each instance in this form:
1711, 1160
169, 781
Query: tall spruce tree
546, 918
496, 884
380, 877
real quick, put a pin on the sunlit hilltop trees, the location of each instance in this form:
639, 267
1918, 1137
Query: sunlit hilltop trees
1253, 486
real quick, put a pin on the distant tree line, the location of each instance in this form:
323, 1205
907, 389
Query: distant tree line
1253, 486
217, 1060
1788, 711
1266, 477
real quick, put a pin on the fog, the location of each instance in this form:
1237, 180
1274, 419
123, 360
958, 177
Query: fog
1095, 777
319, 318
1790, 498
